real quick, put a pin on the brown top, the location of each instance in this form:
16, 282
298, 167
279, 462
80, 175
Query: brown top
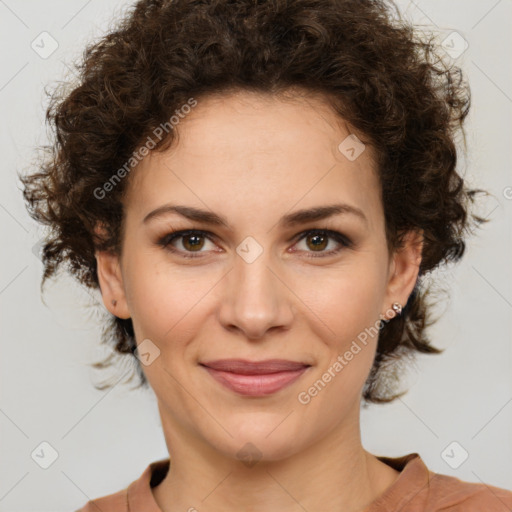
416, 489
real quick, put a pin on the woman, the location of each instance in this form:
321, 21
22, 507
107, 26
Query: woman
257, 188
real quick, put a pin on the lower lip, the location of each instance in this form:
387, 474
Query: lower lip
256, 385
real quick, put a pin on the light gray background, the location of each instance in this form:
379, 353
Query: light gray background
106, 439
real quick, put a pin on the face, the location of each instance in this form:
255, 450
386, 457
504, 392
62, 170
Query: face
252, 279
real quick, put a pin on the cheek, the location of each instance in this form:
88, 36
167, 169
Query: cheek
169, 306
159, 294
346, 301
348, 329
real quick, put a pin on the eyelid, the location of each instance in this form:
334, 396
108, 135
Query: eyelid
166, 240
343, 240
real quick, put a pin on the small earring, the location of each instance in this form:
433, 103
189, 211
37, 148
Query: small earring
397, 307
114, 302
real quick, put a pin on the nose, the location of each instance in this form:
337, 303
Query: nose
256, 298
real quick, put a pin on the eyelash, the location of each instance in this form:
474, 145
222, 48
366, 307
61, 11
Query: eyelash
166, 240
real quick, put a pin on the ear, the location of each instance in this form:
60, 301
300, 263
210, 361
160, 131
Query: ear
403, 272
111, 282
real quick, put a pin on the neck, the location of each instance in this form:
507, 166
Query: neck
335, 473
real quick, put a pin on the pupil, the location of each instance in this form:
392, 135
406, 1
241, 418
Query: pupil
196, 241
320, 241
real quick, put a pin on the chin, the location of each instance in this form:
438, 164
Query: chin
265, 441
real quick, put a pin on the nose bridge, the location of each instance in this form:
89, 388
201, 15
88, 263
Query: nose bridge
255, 299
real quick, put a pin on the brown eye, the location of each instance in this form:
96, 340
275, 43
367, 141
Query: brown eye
318, 241
193, 242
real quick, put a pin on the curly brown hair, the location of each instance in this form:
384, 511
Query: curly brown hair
389, 83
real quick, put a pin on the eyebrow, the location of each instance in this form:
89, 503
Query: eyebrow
289, 220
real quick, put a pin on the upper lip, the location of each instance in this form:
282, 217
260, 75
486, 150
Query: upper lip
245, 367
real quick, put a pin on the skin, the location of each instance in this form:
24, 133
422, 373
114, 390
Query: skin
252, 159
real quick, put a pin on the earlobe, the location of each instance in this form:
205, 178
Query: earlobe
404, 269
110, 277
111, 283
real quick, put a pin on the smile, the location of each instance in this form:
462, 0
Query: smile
251, 383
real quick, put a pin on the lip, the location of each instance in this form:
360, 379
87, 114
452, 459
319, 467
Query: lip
255, 378
246, 367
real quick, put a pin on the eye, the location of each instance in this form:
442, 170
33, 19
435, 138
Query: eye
192, 241
319, 239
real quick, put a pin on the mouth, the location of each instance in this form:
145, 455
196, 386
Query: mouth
255, 378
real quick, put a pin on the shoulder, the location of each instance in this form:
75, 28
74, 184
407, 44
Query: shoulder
419, 489
116, 502
452, 494
137, 496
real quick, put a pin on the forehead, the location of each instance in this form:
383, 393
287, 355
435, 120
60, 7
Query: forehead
246, 150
